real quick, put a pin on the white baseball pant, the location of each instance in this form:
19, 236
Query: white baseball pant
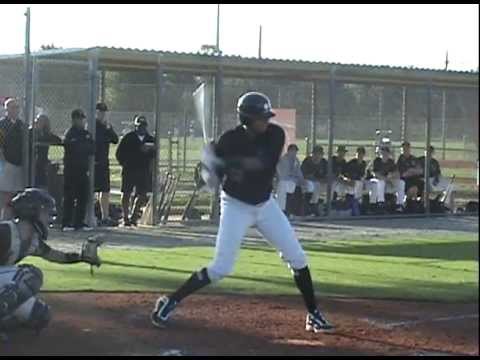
316, 188
236, 218
284, 187
393, 186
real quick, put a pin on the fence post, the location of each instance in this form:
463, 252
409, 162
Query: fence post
92, 100
428, 126
215, 211
27, 103
156, 167
34, 132
403, 135
330, 124
444, 123
313, 120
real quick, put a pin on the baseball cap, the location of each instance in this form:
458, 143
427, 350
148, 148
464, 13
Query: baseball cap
361, 149
101, 106
341, 148
292, 146
317, 149
140, 120
78, 114
405, 143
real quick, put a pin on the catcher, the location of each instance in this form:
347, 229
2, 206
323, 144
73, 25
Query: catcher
34, 211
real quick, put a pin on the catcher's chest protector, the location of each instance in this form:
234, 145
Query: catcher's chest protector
12, 249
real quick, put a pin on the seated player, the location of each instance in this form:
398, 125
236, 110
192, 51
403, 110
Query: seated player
438, 183
386, 180
314, 169
410, 172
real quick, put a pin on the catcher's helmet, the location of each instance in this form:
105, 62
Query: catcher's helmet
254, 104
28, 204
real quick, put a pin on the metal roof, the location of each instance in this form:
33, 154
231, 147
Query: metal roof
237, 66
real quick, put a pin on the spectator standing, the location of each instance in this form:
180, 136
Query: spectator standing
11, 156
79, 146
104, 136
135, 154
44, 138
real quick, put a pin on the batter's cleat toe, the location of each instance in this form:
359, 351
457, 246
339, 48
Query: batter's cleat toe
163, 309
316, 323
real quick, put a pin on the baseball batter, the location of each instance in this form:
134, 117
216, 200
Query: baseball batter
248, 155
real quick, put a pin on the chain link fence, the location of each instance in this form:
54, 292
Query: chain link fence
303, 108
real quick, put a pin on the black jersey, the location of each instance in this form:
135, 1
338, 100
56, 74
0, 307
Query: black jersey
355, 169
404, 163
384, 168
338, 166
314, 171
103, 138
256, 185
434, 166
79, 146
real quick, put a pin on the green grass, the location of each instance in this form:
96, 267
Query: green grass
440, 268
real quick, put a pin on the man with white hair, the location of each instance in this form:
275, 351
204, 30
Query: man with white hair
11, 152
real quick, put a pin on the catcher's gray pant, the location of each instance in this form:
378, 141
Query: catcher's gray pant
235, 219
19, 286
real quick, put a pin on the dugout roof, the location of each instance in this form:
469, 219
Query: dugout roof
111, 58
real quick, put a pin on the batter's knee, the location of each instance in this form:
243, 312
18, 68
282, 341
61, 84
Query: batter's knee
217, 273
295, 261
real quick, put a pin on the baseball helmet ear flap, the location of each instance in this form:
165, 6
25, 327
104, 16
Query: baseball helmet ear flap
254, 105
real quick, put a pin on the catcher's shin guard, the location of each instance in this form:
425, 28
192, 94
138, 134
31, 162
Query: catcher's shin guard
8, 299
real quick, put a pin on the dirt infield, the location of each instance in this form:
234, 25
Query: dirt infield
118, 324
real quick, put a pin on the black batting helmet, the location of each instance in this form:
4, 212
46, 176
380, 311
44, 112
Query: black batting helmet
28, 204
254, 104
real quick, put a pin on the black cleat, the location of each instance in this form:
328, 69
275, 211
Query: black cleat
163, 309
316, 323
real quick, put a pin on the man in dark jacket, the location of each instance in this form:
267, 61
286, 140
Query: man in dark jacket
11, 151
104, 136
79, 146
135, 154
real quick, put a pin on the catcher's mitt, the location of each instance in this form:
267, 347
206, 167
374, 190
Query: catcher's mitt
89, 252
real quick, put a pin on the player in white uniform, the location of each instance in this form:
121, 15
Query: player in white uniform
33, 210
249, 154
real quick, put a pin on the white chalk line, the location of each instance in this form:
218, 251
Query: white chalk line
416, 322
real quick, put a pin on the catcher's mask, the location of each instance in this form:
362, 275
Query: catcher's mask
31, 204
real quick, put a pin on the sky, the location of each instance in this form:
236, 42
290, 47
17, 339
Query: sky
395, 35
